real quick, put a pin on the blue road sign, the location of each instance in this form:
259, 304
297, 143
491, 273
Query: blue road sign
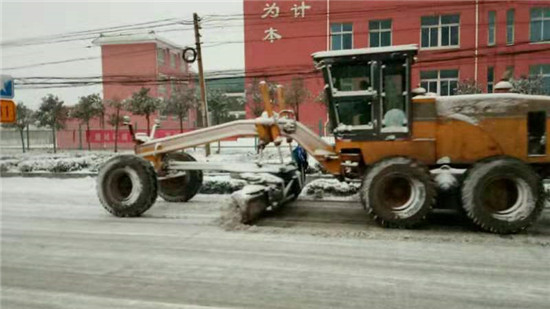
7, 87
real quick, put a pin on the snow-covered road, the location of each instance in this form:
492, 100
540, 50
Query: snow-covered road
60, 249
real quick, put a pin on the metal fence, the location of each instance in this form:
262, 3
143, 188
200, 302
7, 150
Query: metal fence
36, 138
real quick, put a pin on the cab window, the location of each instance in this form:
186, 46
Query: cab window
348, 77
352, 95
355, 112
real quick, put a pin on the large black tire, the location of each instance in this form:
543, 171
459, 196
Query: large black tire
127, 186
398, 192
180, 189
502, 195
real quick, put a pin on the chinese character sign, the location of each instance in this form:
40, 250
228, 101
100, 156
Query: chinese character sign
300, 10
272, 35
272, 10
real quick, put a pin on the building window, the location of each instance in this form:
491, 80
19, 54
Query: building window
442, 82
542, 70
440, 31
510, 20
380, 33
341, 36
490, 79
491, 28
540, 24
160, 56
173, 60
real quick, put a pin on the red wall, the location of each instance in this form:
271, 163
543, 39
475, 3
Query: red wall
284, 59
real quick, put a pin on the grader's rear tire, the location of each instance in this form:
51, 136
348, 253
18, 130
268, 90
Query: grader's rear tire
398, 192
127, 186
502, 195
180, 189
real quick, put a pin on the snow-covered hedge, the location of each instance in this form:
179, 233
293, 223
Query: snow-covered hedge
333, 186
221, 185
60, 163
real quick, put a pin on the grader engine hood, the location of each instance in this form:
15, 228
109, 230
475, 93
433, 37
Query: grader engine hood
475, 107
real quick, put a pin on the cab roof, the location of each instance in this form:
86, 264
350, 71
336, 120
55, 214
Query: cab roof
364, 51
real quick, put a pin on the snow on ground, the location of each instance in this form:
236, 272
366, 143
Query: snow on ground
61, 250
221, 184
320, 188
54, 163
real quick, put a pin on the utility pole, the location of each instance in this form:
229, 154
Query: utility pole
204, 102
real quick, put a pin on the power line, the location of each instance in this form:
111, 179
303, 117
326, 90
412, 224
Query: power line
279, 76
83, 35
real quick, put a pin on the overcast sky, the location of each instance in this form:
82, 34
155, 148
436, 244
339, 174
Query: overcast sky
24, 19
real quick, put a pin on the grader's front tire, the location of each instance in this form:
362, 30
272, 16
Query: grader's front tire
502, 195
398, 192
180, 189
127, 186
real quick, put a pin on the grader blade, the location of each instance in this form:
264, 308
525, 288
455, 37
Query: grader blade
250, 202
266, 191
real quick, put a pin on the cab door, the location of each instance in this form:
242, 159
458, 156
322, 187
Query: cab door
394, 100
353, 99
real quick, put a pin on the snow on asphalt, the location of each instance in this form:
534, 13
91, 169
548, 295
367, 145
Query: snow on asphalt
61, 249
332, 217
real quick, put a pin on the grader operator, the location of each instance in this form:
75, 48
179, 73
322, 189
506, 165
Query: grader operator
383, 136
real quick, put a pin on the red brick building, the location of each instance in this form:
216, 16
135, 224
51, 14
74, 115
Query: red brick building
458, 40
128, 63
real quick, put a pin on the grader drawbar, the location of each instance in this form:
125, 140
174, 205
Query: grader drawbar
488, 152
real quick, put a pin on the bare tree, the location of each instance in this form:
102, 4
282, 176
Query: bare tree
468, 86
296, 94
141, 103
115, 119
25, 117
254, 96
218, 105
52, 113
528, 85
87, 108
181, 101
321, 98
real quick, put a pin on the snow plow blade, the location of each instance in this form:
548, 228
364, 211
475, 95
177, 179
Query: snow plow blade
251, 202
266, 192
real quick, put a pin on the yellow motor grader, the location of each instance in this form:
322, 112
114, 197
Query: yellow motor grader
492, 148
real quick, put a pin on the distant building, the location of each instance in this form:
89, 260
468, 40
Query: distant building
130, 62
482, 40
234, 89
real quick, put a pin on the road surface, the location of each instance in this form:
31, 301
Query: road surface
60, 249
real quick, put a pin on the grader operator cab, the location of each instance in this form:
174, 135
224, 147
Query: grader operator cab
368, 91
490, 147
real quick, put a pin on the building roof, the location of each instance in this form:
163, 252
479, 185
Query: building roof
364, 51
135, 38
